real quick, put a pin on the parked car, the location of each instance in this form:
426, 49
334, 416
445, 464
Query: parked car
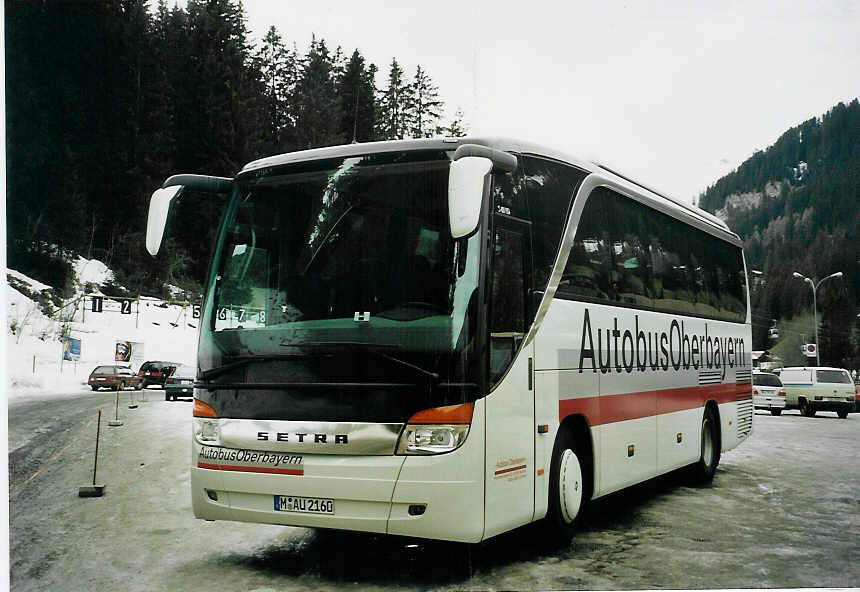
181, 382
768, 392
156, 372
113, 377
813, 389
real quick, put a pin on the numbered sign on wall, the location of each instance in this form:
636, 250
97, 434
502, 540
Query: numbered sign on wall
125, 306
98, 302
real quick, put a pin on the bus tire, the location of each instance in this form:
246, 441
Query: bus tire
842, 413
776, 412
702, 472
567, 489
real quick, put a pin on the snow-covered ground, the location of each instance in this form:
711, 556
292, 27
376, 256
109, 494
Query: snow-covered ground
34, 364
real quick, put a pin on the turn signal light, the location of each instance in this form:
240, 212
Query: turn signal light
202, 409
450, 414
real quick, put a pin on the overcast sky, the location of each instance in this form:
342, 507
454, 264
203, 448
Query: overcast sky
675, 94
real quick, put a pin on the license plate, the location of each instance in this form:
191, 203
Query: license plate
308, 505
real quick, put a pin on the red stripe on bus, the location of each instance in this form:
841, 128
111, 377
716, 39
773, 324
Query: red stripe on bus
510, 470
622, 407
298, 472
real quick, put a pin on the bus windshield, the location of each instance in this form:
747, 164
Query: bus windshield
344, 256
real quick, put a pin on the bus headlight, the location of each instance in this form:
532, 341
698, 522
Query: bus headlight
207, 431
422, 439
437, 430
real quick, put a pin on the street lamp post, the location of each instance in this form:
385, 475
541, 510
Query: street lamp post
815, 285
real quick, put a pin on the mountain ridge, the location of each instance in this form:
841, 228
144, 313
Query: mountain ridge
795, 205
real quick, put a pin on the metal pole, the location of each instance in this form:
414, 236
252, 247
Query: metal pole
137, 317
116, 422
815, 320
96, 460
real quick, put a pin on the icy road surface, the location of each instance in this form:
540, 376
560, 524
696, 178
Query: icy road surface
782, 512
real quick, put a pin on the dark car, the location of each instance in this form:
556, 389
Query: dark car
181, 382
113, 377
156, 372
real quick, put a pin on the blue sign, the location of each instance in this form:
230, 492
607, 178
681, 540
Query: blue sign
71, 348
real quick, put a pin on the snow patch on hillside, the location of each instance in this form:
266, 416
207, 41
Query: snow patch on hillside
750, 200
91, 271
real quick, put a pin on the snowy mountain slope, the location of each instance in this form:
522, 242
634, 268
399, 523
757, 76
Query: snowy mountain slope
34, 364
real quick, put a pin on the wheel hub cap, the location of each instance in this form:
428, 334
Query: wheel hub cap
570, 486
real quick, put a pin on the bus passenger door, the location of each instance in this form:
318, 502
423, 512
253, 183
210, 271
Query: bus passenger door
510, 429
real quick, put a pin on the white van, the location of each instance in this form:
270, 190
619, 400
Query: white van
812, 389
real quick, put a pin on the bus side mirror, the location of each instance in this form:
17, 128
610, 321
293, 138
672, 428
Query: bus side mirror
159, 207
466, 181
159, 203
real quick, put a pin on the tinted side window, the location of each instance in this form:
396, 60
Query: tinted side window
508, 311
832, 376
509, 195
626, 252
551, 186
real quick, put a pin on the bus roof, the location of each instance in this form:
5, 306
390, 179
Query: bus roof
507, 145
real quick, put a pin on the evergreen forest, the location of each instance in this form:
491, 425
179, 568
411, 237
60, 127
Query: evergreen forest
795, 204
105, 99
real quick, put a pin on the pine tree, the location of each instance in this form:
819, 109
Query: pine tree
397, 96
277, 68
357, 94
315, 100
425, 106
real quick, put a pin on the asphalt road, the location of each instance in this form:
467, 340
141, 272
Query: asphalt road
782, 512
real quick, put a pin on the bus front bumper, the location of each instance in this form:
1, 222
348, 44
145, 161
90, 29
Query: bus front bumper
438, 497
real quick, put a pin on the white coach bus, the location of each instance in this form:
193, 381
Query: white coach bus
452, 338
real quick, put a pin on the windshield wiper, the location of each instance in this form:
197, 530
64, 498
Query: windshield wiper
374, 349
242, 361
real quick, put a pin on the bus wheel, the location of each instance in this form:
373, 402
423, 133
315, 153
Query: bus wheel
566, 490
842, 413
709, 457
776, 411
